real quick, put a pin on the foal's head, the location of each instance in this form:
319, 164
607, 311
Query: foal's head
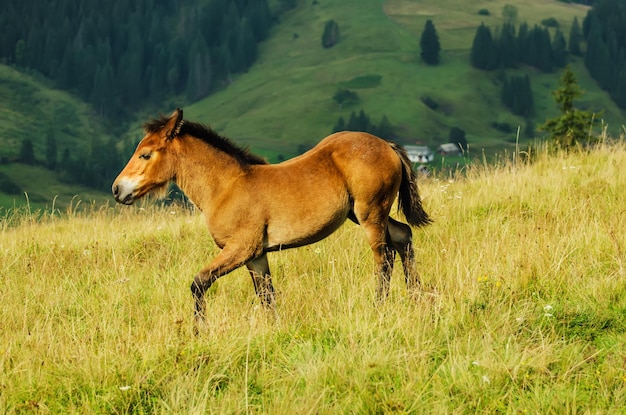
151, 167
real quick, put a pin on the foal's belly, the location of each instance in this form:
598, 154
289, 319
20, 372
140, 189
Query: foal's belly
291, 234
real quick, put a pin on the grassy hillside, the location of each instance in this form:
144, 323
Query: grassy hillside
286, 98
31, 109
41, 190
284, 103
523, 308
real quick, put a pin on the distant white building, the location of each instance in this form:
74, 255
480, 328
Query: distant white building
449, 149
420, 154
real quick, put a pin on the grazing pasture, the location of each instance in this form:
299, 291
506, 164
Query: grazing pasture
523, 308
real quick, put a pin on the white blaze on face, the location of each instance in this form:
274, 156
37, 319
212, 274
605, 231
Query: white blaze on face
124, 189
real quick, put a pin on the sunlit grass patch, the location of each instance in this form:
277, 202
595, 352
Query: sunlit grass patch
522, 307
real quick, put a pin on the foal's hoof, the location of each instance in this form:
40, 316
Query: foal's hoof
200, 327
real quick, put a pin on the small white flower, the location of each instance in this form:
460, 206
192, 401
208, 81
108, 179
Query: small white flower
476, 363
548, 315
547, 308
172, 212
124, 388
485, 379
519, 319
317, 251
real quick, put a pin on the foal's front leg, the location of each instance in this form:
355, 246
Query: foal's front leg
227, 260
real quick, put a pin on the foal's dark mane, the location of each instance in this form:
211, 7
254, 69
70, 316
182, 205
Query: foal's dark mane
210, 137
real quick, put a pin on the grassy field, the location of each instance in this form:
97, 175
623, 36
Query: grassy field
523, 308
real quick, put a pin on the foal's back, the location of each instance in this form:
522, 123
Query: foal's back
306, 198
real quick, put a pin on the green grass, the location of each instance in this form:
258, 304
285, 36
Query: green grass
363, 81
40, 189
523, 308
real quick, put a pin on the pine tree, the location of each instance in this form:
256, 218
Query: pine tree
260, 18
572, 127
429, 44
353, 122
483, 54
539, 49
199, 77
247, 43
598, 59
51, 150
575, 38
507, 51
523, 43
364, 122
385, 129
20, 52
559, 50
517, 95
340, 126
457, 136
27, 152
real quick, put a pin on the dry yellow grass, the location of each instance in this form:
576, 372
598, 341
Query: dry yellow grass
523, 310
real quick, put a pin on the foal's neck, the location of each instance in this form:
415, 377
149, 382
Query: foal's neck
204, 171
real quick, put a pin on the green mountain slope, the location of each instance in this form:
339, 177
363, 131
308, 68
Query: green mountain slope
286, 98
30, 109
284, 103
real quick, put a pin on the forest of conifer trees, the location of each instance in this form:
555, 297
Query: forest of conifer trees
119, 55
122, 56
605, 58
604, 55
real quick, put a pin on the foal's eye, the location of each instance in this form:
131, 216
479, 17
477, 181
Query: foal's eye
146, 156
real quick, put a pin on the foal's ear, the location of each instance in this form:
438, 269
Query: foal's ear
173, 126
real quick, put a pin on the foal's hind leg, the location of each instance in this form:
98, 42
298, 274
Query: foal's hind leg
400, 237
375, 231
260, 273
384, 254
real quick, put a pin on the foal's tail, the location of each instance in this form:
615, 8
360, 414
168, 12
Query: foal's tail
409, 200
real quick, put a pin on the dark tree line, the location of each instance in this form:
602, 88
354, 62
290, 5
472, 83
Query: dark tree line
605, 57
361, 122
94, 168
119, 55
511, 47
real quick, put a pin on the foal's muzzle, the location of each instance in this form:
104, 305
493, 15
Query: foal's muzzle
121, 195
